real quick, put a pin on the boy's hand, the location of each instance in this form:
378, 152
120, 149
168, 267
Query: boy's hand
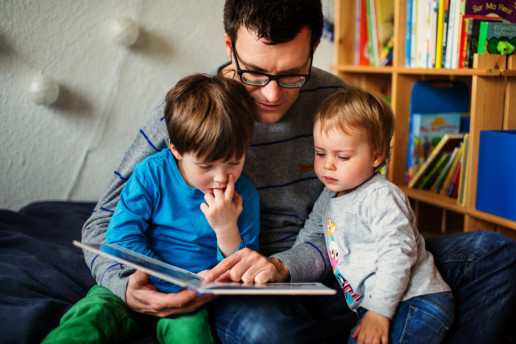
222, 209
373, 328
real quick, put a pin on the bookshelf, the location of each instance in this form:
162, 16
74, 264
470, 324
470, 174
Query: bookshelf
492, 86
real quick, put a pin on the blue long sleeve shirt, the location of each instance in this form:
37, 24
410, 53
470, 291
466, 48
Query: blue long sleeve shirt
159, 216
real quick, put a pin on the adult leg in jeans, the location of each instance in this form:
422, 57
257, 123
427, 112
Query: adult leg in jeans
270, 320
480, 267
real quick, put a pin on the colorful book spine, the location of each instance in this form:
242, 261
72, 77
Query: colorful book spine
408, 33
440, 33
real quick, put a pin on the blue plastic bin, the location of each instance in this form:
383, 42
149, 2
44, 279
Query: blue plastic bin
496, 183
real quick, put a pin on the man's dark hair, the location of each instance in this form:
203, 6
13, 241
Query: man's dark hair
277, 21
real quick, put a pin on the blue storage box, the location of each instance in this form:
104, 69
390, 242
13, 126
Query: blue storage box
496, 183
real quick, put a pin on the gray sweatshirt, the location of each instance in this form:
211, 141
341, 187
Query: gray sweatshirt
375, 249
279, 165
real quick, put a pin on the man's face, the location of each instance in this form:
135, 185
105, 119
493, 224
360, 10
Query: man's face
254, 54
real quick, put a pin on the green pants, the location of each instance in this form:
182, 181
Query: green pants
101, 317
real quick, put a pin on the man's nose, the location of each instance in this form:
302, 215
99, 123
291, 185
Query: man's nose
272, 91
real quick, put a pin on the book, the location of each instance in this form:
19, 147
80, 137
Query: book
452, 14
440, 35
439, 181
494, 8
434, 13
187, 279
372, 31
363, 56
425, 132
408, 32
452, 192
384, 24
447, 182
465, 35
455, 48
461, 190
358, 19
446, 144
429, 178
492, 35
472, 40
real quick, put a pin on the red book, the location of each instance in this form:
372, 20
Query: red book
464, 37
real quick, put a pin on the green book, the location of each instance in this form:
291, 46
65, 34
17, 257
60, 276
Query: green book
429, 179
496, 38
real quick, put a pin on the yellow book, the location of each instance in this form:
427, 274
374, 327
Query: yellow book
446, 184
461, 196
440, 35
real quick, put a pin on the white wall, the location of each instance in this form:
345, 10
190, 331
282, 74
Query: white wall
68, 150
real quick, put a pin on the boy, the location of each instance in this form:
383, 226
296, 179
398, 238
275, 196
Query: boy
376, 252
187, 205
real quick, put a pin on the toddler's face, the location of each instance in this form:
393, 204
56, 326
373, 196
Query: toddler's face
343, 161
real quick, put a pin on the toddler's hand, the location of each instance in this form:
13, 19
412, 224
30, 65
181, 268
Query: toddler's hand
373, 328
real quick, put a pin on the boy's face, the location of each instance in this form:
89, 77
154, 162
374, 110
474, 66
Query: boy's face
343, 161
256, 55
206, 176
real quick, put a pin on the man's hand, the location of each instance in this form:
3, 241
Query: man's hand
373, 328
141, 296
249, 266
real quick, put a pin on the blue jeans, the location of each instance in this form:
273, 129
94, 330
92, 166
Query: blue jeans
479, 266
424, 319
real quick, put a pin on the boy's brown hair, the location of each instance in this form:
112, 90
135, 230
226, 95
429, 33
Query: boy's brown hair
354, 108
211, 117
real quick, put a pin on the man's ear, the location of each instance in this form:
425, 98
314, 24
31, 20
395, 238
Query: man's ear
175, 152
227, 44
315, 47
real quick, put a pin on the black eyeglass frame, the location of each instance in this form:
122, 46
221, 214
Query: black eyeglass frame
270, 77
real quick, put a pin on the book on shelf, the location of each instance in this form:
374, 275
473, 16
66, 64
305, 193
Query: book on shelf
445, 146
372, 31
493, 38
444, 33
425, 132
408, 32
493, 8
440, 34
374, 25
445, 188
452, 192
384, 24
456, 27
433, 174
465, 36
472, 39
461, 189
439, 181
362, 35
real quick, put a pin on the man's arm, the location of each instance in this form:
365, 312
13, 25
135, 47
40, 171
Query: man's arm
152, 138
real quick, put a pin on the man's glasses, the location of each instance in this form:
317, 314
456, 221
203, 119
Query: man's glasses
259, 79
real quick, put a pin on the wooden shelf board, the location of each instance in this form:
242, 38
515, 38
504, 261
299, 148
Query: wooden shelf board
497, 220
419, 71
451, 204
434, 199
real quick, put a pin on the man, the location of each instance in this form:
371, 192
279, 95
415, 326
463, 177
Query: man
271, 45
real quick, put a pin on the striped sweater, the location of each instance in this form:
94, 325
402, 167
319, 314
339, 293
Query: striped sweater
279, 163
